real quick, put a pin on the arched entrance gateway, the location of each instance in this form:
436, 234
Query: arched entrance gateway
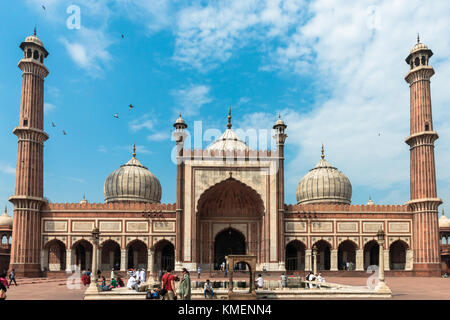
229, 221
397, 255
110, 255
371, 254
83, 254
228, 242
295, 255
56, 254
164, 255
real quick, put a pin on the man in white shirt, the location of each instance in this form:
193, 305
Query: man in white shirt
259, 281
143, 276
320, 279
132, 283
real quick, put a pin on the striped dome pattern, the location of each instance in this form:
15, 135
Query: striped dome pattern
132, 182
324, 183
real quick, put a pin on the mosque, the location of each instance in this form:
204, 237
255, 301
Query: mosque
229, 200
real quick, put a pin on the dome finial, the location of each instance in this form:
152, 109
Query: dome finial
229, 125
323, 154
6, 210
442, 212
134, 150
34, 31
418, 38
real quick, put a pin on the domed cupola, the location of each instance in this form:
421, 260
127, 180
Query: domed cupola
324, 184
444, 222
132, 182
228, 141
6, 220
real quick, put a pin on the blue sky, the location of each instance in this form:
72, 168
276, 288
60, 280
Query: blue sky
334, 70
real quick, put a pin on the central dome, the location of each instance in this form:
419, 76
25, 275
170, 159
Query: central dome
324, 183
228, 141
132, 182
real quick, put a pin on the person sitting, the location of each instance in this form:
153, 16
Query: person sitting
103, 286
133, 283
320, 279
120, 283
113, 283
259, 282
208, 289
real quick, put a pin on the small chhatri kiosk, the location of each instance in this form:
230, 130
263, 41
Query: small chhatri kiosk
250, 261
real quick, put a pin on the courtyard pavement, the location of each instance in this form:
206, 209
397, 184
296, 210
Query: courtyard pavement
403, 288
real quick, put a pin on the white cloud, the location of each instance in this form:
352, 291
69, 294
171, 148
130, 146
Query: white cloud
365, 118
192, 98
143, 123
89, 49
48, 107
7, 169
207, 35
159, 136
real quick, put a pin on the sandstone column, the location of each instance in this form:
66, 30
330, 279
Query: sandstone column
123, 260
359, 260
334, 260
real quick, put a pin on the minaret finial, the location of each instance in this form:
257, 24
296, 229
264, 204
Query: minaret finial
134, 150
323, 153
229, 125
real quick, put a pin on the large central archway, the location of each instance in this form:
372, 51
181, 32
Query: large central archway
229, 221
228, 242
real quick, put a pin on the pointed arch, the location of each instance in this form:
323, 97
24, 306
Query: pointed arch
230, 197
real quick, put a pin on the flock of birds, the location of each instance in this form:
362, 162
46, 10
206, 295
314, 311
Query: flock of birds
116, 115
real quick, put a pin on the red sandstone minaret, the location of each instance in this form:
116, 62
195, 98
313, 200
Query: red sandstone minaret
28, 196
424, 202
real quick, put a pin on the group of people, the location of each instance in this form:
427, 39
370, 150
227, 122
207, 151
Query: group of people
168, 290
136, 279
313, 277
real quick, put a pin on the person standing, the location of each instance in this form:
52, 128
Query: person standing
112, 273
185, 286
160, 274
168, 284
283, 280
143, 276
199, 272
12, 277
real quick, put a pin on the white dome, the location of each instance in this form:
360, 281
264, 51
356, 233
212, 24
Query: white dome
228, 141
444, 222
132, 182
6, 220
324, 183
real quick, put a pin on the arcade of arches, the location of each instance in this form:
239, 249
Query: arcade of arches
229, 221
111, 256
346, 257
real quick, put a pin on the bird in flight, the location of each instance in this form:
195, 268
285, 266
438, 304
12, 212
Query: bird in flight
123, 36
116, 115
43, 7
53, 125
64, 132
130, 107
